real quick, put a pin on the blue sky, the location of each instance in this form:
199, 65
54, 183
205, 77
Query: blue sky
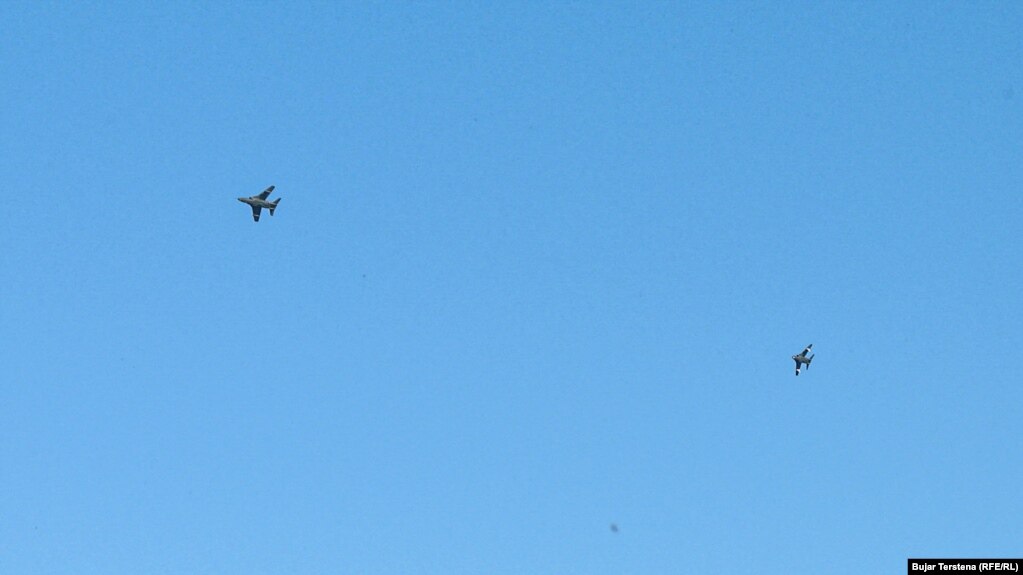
538, 268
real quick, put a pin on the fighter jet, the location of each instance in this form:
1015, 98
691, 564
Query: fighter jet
801, 358
259, 202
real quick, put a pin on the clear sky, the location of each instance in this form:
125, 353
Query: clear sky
538, 268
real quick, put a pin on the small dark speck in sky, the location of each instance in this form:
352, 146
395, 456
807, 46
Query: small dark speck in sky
614, 527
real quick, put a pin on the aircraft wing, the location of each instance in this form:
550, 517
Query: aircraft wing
266, 193
255, 213
807, 350
797, 367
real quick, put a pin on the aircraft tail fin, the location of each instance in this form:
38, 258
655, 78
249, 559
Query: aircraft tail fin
273, 205
808, 360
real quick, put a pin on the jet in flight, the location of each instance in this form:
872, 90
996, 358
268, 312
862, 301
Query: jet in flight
801, 358
259, 202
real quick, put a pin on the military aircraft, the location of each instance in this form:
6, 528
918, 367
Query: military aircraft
259, 202
801, 358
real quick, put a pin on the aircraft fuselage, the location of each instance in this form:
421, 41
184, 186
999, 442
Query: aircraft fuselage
256, 202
